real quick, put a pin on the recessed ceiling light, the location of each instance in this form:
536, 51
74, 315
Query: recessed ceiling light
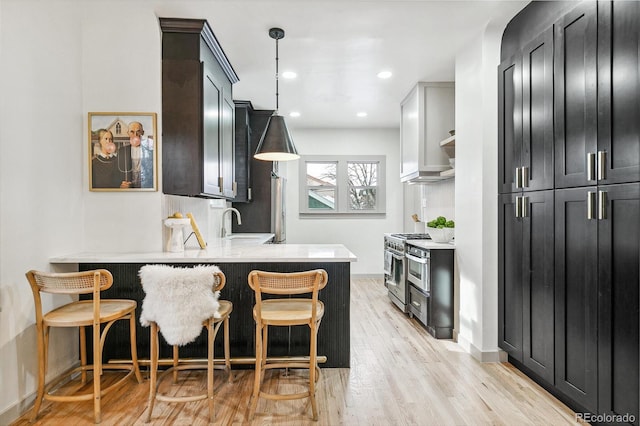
289, 74
384, 74
294, 114
361, 114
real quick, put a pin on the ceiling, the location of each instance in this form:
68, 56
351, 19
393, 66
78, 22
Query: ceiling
337, 49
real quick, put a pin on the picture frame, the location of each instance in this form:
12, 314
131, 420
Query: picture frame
123, 151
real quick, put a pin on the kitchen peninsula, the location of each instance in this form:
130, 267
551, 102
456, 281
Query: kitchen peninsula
236, 258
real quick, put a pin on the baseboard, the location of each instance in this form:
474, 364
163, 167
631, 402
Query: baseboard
497, 355
14, 412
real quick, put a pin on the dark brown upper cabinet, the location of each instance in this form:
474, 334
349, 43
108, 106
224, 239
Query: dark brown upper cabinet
575, 102
526, 113
197, 111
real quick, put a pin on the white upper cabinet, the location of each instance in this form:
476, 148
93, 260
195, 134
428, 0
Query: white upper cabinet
426, 115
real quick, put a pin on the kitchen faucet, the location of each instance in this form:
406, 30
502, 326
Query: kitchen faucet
223, 231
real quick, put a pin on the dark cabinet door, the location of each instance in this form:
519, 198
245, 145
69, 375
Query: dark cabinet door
510, 119
538, 283
619, 316
618, 92
536, 162
576, 295
197, 111
575, 95
227, 147
510, 276
242, 151
212, 92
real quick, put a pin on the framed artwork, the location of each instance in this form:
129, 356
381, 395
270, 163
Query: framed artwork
123, 151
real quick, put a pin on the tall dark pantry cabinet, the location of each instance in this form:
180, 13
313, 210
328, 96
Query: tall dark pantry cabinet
569, 202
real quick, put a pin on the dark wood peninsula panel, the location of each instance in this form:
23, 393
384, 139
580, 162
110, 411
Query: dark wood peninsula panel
333, 336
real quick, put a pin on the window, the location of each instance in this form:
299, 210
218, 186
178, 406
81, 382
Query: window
342, 184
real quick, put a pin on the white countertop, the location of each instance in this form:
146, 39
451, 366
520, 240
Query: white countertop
429, 244
234, 250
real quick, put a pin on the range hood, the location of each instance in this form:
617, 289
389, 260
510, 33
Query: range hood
427, 116
427, 176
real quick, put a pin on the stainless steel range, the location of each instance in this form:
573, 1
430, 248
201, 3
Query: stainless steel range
395, 267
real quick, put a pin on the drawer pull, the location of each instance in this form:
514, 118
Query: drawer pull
416, 304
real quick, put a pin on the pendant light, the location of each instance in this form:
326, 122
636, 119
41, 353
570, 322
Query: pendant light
276, 143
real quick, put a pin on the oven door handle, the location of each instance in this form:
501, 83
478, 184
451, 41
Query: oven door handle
395, 256
420, 260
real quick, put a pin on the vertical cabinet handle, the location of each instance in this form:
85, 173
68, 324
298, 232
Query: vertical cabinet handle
518, 207
525, 176
591, 166
518, 178
524, 210
591, 200
602, 205
602, 164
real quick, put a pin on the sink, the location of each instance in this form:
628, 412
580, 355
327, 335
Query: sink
248, 238
243, 237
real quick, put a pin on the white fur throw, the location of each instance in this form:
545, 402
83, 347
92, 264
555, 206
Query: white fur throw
178, 300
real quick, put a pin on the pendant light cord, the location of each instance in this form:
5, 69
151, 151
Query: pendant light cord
277, 91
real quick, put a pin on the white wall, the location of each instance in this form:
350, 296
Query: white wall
362, 235
476, 193
61, 60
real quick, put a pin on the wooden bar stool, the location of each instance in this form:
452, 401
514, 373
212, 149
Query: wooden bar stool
84, 313
286, 312
178, 303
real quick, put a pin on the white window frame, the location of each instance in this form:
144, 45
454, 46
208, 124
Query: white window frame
342, 185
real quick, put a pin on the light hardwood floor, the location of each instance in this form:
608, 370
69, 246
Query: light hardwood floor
399, 375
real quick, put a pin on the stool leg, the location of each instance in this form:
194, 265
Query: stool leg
97, 372
227, 350
83, 354
176, 357
312, 371
154, 369
134, 349
42, 368
212, 337
257, 378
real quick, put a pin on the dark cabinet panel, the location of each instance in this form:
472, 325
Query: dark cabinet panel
526, 279
576, 295
575, 99
537, 110
619, 92
526, 117
256, 215
440, 301
333, 334
242, 153
510, 119
510, 276
619, 316
538, 283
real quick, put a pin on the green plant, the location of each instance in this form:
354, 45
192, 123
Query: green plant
441, 222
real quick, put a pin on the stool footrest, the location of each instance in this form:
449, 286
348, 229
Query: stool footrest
284, 396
